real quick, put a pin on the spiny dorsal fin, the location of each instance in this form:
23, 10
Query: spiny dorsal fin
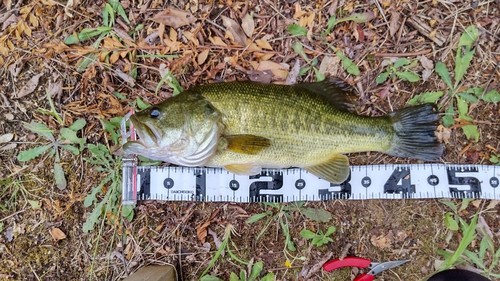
246, 144
334, 90
335, 170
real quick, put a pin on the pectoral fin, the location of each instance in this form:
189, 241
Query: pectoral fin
335, 170
243, 169
246, 144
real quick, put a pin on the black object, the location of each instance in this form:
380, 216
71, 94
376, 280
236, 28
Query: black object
457, 275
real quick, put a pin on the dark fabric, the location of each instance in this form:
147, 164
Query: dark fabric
457, 275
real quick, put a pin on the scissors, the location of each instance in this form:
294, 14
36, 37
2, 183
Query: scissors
375, 267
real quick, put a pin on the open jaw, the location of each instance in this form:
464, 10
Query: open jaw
147, 135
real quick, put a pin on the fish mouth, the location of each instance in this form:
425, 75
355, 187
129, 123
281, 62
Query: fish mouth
147, 134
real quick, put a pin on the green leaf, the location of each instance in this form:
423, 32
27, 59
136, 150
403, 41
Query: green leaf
122, 13
330, 231
128, 212
448, 118
78, 124
468, 97
407, 76
212, 278
357, 17
85, 62
400, 62
71, 136
470, 35
463, 107
492, 96
465, 204
427, 97
316, 214
32, 153
233, 277
332, 21
71, 149
256, 270
462, 63
41, 129
494, 159
268, 277
256, 217
450, 222
106, 12
471, 132
475, 259
296, 30
35, 204
468, 237
319, 76
307, 234
450, 205
243, 275
382, 77
299, 50
444, 74
59, 176
141, 104
348, 64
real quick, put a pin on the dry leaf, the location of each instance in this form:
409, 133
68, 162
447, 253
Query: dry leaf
202, 57
263, 44
248, 25
7, 4
294, 73
330, 65
216, 40
174, 17
9, 146
443, 134
382, 241
236, 31
12, 19
428, 67
260, 76
55, 89
6, 137
279, 71
202, 231
29, 87
57, 234
394, 24
125, 77
68, 6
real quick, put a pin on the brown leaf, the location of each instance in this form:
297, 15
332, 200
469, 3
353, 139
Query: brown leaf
216, 40
202, 57
202, 231
57, 234
12, 19
263, 44
235, 29
394, 23
260, 76
443, 134
29, 87
125, 77
174, 17
279, 71
248, 25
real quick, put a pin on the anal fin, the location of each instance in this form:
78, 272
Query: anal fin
336, 170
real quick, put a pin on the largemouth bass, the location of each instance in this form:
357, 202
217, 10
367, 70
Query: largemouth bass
245, 126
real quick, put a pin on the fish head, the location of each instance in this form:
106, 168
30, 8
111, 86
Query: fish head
182, 131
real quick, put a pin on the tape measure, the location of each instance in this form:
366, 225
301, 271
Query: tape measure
392, 181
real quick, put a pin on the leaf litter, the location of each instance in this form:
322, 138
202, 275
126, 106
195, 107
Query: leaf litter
201, 43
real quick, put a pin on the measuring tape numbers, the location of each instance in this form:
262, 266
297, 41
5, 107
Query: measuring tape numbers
392, 181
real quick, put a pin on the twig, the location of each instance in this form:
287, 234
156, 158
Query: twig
426, 30
410, 54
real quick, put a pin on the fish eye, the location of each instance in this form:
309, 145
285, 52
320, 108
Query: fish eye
155, 112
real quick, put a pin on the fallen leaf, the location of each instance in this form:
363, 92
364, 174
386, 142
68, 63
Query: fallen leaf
443, 134
294, 73
394, 23
202, 57
12, 19
235, 29
29, 87
55, 89
382, 241
202, 231
426, 63
57, 234
248, 25
7, 4
9, 146
216, 40
174, 17
125, 77
260, 76
279, 71
263, 44
6, 137
15, 68
330, 66
69, 6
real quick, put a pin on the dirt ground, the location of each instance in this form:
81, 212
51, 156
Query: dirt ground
41, 225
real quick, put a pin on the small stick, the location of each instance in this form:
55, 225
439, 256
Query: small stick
410, 54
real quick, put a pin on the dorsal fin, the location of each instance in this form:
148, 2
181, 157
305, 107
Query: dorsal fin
334, 90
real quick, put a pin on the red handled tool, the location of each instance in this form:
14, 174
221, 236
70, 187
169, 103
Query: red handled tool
375, 267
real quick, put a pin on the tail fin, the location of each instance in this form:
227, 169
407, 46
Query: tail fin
415, 137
